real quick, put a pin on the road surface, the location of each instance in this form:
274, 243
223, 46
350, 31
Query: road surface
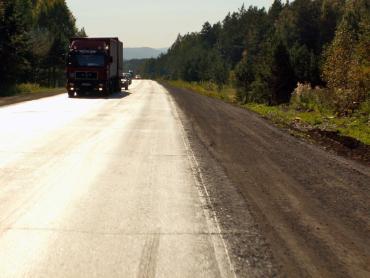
104, 188
169, 183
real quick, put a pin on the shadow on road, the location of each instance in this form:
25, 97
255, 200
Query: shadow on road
116, 95
119, 95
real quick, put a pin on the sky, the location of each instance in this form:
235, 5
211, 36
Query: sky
151, 23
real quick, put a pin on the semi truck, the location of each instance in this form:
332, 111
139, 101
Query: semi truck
94, 65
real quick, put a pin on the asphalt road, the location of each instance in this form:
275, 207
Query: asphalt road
169, 183
104, 188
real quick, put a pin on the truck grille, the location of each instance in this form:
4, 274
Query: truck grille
86, 75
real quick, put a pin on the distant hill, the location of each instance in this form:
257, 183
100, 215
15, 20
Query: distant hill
142, 52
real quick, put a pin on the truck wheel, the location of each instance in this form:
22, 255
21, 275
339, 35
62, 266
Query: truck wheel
126, 87
71, 95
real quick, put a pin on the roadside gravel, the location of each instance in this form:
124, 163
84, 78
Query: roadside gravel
287, 207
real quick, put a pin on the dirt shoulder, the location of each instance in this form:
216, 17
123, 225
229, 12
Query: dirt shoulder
346, 136
30, 96
288, 208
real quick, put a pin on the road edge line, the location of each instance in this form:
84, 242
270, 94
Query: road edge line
212, 219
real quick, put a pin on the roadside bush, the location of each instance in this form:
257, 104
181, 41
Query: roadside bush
259, 92
346, 101
306, 98
28, 88
365, 109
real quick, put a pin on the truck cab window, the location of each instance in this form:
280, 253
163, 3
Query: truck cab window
88, 60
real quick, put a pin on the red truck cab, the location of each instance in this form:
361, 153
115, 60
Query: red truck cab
94, 65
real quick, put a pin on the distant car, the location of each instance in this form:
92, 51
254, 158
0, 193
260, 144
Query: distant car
128, 77
125, 81
138, 76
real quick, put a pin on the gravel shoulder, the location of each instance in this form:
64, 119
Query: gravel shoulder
287, 208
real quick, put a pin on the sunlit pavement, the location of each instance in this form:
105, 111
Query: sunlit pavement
95, 187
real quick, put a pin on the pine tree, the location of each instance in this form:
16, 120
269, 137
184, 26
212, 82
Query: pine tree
347, 60
339, 56
282, 80
14, 44
275, 10
55, 20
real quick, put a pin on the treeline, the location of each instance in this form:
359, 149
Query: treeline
266, 53
135, 65
34, 38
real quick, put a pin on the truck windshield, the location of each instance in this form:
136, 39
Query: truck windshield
88, 60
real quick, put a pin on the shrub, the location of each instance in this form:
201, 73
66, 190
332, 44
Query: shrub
259, 92
306, 98
346, 101
365, 109
28, 88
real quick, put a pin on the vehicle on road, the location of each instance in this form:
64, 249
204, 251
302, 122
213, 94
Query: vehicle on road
129, 77
94, 65
131, 73
138, 76
125, 81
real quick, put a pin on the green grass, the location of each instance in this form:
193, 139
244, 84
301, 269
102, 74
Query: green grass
356, 126
29, 88
25, 92
227, 93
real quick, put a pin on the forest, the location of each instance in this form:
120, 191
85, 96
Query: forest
310, 53
34, 38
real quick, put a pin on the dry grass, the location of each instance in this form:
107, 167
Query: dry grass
26, 92
357, 125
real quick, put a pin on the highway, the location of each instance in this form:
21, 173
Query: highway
163, 182
104, 187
